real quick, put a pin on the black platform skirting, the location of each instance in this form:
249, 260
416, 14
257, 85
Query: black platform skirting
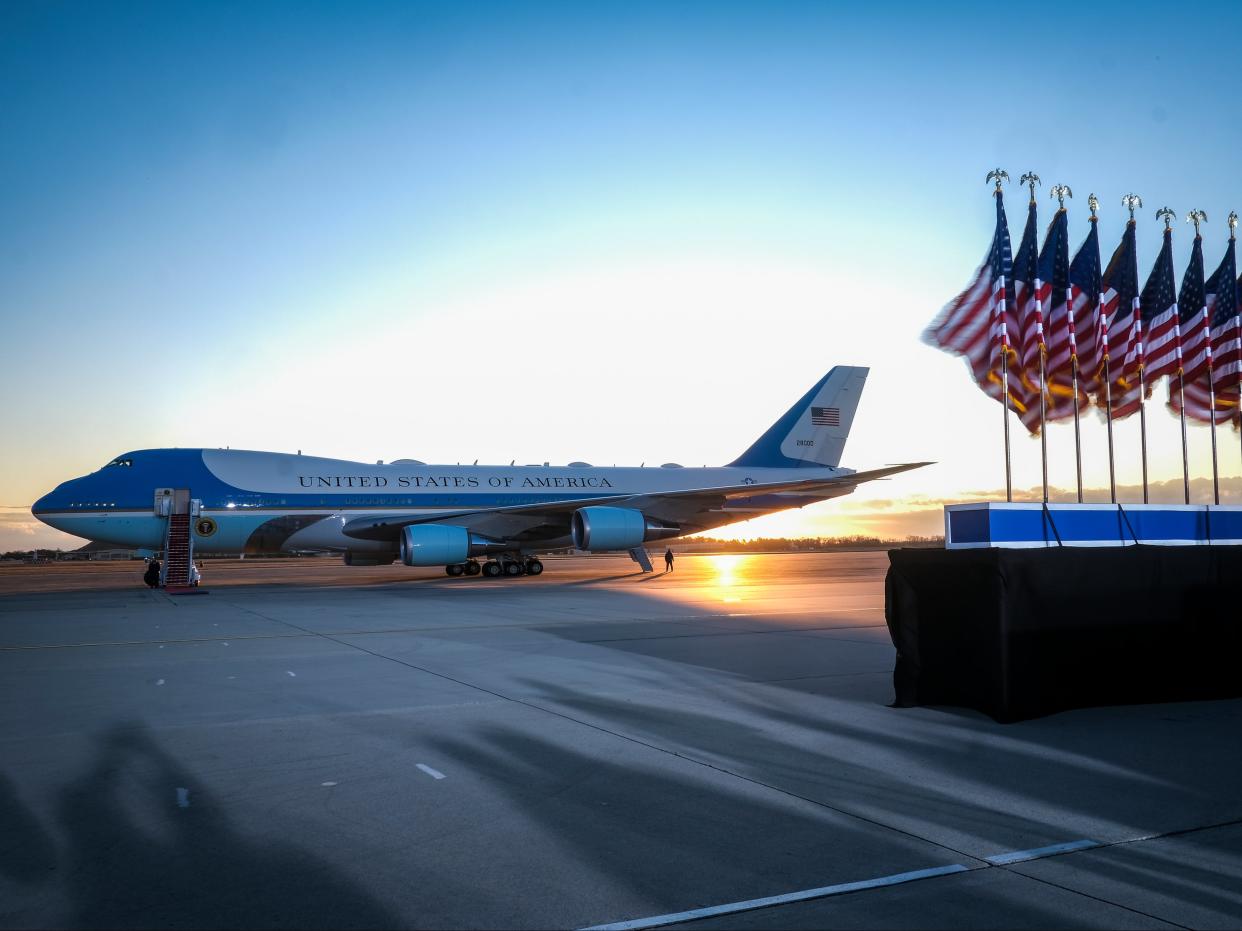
1023, 633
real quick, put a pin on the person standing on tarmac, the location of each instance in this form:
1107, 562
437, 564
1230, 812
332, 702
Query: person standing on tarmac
152, 575
668, 559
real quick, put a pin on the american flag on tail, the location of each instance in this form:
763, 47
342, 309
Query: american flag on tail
1029, 310
1162, 345
1214, 344
1121, 327
1056, 296
826, 416
977, 323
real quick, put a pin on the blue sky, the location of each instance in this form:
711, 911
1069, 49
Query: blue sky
613, 232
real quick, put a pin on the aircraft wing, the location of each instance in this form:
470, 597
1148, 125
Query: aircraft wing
550, 519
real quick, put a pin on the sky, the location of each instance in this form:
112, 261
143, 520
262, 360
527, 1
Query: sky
612, 232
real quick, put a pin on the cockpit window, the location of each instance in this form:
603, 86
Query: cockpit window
119, 462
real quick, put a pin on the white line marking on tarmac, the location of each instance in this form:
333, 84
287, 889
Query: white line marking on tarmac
433, 773
749, 904
327, 783
183, 798
1020, 856
294, 674
159, 681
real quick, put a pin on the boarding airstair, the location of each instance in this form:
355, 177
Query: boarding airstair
176, 571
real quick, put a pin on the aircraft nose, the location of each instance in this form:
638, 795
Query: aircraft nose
43, 505
54, 500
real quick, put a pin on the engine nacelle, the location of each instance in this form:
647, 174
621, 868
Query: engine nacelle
353, 558
606, 528
443, 545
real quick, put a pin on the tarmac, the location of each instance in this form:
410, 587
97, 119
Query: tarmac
311, 745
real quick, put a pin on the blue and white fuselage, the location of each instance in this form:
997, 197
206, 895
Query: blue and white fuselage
263, 502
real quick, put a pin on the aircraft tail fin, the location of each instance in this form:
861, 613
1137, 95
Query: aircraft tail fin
812, 432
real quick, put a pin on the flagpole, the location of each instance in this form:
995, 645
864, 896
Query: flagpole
1108, 417
1004, 350
1061, 191
1137, 318
1196, 217
1181, 404
1233, 225
1077, 430
1105, 325
998, 175
1142, 423
1207, 328
1031, 179
1093, 203
1212, 415
1043, 423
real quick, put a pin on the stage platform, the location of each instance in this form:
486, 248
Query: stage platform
1034, 525
1020, 633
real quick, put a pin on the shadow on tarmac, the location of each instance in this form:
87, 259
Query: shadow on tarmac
675, 843
1116, 780
134, 857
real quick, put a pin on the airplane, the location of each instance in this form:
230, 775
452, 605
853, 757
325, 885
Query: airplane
249, 502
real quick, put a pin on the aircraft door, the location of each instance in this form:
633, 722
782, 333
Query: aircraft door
172, 501
164, 501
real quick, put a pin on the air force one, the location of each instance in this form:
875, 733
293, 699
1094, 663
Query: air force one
238, 501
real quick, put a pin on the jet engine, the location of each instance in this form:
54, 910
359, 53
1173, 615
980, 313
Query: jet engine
606, 528
443, 545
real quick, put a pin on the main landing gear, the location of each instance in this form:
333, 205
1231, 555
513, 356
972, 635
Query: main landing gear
494, 568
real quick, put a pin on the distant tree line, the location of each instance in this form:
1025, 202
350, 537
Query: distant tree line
813, 544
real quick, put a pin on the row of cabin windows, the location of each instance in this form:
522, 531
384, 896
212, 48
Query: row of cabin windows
350, 502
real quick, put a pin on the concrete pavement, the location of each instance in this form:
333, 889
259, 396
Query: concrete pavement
320, 746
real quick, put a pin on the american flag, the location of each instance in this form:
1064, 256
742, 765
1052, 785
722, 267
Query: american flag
1030, 336
1026, 287
1056, 298
826, 416
977, 323
1162, 345
1121, 327
1216, 346
1192, 309
1084, 331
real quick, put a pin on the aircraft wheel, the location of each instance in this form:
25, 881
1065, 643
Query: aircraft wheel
472, 568
491, 569
534, 567
513, 568
455, 569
